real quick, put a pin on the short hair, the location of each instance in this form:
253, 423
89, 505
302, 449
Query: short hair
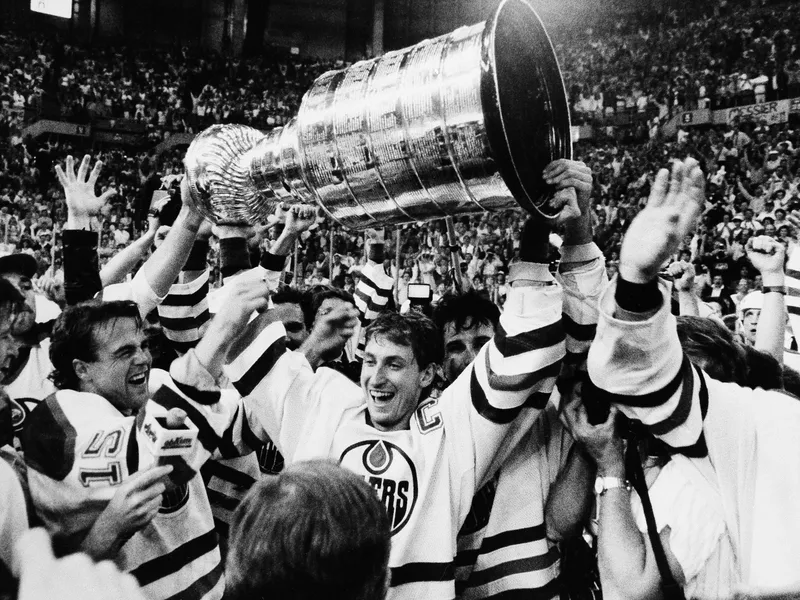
711, 345
329, 292
316, 530
457, 308
411, 329
73, 336
289, 295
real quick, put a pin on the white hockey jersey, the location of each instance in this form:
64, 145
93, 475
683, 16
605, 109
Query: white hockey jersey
503, 546
79, 448
425, 476
749, 435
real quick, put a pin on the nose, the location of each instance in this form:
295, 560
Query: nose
379, 376
143, 356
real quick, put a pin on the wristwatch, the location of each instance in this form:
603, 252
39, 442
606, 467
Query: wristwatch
603, 484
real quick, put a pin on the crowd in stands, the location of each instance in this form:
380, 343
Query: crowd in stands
170, 387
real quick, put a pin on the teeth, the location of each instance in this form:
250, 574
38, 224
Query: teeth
381, 395
137, 379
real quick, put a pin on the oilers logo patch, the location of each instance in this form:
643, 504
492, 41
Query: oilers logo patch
389, 470
20, 411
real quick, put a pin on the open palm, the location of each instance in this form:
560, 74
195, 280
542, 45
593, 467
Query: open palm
657, 231
79, 188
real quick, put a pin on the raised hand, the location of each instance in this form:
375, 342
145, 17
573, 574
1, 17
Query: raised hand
766, 254
657, 231
683, 274
300, 218
82, 202
601, 442
564, 173
331, 331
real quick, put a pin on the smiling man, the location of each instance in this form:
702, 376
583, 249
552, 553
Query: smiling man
425, 457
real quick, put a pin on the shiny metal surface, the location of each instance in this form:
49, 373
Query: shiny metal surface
462, 123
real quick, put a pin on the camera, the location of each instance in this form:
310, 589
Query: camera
419, 293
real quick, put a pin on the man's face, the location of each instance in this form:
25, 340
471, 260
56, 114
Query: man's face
749, 324
25, 287
121, 370
392, 382
462, 346
9, 342
291, 316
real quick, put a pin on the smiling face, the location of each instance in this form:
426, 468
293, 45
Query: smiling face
461, 346
121, 369
392, 382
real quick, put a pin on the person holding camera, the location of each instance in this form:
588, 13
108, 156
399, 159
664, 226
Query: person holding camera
741, 443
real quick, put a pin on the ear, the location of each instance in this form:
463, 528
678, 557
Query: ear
426, 375
81, 369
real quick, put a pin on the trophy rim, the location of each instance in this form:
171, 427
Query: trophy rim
507, 128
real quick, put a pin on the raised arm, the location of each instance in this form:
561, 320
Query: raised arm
124, 261
767, 256
81, 266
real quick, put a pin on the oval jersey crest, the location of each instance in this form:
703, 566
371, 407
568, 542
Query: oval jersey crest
389, 470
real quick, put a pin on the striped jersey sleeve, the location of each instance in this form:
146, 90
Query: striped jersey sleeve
184, 313
512, 374
640, 367
372, 296
583, 276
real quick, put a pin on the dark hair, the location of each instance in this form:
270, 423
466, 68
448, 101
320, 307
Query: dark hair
319, 297
791, 381
11, 301
411, 329
458, 308
711, 346
289, 295
73, 336
316, 530
763, 370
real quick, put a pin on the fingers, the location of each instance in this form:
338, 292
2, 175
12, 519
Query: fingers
62, 177
675, 182
70, 168
658, 192
107, 194
145, 479
84, 168
98, 166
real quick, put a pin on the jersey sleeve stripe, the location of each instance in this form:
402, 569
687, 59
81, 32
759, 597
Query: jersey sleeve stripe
543, 337
49, 440
502, 540
500, 416
579, 331
653, 399
188, 294
514, 567
185, 322
427, 571
250, 379
682, 409
169, 398
204, 397
382, 288
201, 587
214, 468
169, 563
547, 592
523, 381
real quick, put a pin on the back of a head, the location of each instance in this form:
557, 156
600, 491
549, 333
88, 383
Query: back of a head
315, 531
712, 347
460, 308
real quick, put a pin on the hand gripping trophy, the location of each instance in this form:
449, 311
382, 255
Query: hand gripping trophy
459, 124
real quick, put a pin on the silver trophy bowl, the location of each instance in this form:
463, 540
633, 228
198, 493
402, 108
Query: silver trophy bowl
458, 124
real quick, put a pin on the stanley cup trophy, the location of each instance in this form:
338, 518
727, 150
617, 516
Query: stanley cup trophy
459, 124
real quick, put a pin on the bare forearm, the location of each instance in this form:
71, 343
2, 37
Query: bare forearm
687, 300
771, 322
569, 500
284, 245
103, 542
123, 262
622, 551
163, 267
